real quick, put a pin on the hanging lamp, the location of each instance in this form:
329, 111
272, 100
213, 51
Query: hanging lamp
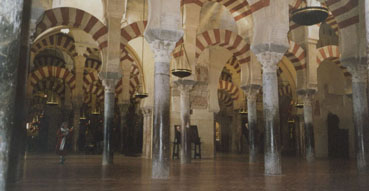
83, 115
299, 104
51, 99
313, 13
291, 120
140, 93
95, 111
182, 68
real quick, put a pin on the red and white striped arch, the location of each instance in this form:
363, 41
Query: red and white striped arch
345, 12
93, 89
230, 88
239, 9
50, 85
132, 31
48, 60
93, 64
233, 63
75, 18
91, 78
224, 38
56, 41
225, 98
53, 71
331, 53
296, 54
285, 90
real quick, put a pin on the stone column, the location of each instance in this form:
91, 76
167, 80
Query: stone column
10, 28
79, 64
109, 85
19, 134
76, 121
360, 107
147, 138
123, 119
160, 149
185, 86
309, 130
272, 156
252, 93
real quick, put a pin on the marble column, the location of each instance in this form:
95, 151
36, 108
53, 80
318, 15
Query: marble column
109, 85
161, 148
147, 138
272, 155
10, 28
360, 113
76, 123
252, 93
79, 64
185, 86
123, 124
309, 129
19, 134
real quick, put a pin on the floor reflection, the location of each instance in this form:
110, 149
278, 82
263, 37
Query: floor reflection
227, 172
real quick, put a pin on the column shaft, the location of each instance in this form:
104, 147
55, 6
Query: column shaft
76, 116
185, 125
252, 120
108, 126
160, 150
272, 158
360, 112
309, 130
19, 135
10, 27
360, 107
147, 146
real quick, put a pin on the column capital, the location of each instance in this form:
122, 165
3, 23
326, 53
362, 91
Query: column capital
185, 85
162, 50
109, 85
251, 91
146, 111
308, 99
269, 60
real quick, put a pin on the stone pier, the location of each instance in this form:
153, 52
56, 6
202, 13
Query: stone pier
360, 111
10, 28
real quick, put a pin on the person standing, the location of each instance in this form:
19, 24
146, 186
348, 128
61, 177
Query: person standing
62, 135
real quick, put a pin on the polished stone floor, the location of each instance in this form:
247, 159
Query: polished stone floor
226, 172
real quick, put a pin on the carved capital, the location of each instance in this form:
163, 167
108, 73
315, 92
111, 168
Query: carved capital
252, 92
146, 111
359, 72
269, 61
185, 85
308, 99
109, 85
162, 50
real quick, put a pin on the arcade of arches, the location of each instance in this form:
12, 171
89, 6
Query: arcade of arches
265, 94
